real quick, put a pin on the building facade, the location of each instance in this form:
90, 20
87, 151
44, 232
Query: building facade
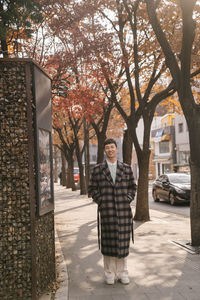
182, 144
163, 145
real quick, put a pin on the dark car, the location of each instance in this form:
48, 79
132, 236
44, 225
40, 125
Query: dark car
173, 187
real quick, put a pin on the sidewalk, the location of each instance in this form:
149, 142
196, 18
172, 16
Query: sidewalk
158, 268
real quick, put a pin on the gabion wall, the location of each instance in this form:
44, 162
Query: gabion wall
19, 256
45, 252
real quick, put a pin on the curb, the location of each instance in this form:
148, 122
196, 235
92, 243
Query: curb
61, 270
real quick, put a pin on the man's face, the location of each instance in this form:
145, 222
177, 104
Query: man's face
111, 151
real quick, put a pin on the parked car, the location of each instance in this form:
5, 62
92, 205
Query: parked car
76, 175
173, 187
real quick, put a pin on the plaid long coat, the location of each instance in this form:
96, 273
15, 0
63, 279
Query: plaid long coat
113, 199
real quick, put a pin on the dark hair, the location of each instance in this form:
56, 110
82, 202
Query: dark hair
110, 141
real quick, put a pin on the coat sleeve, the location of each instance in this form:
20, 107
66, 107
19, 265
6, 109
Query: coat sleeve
131, 186
93, 187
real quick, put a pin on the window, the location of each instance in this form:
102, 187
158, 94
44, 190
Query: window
94, 157
166, 169
180, 127
158, 165
184, 157
164, 147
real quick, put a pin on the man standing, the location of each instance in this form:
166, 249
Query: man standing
112, 187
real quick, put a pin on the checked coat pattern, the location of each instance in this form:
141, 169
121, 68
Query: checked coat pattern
113, 199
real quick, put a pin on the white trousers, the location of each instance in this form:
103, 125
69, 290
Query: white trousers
115, 267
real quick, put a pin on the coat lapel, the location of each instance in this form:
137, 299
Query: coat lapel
120, 171
106, 171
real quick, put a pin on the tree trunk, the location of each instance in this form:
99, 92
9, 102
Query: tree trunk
63, 175
101, 132
87, 164
55, 154
127, 147
192, 114
195, 205
142, 204
87, 154
194, 133
70, 175
83, 190
68, 184
100, 151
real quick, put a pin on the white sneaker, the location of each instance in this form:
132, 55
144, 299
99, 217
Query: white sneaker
124, 280
110, 280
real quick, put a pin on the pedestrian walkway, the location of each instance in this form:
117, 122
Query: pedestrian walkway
158, 268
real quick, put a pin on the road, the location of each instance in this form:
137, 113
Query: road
180, 209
